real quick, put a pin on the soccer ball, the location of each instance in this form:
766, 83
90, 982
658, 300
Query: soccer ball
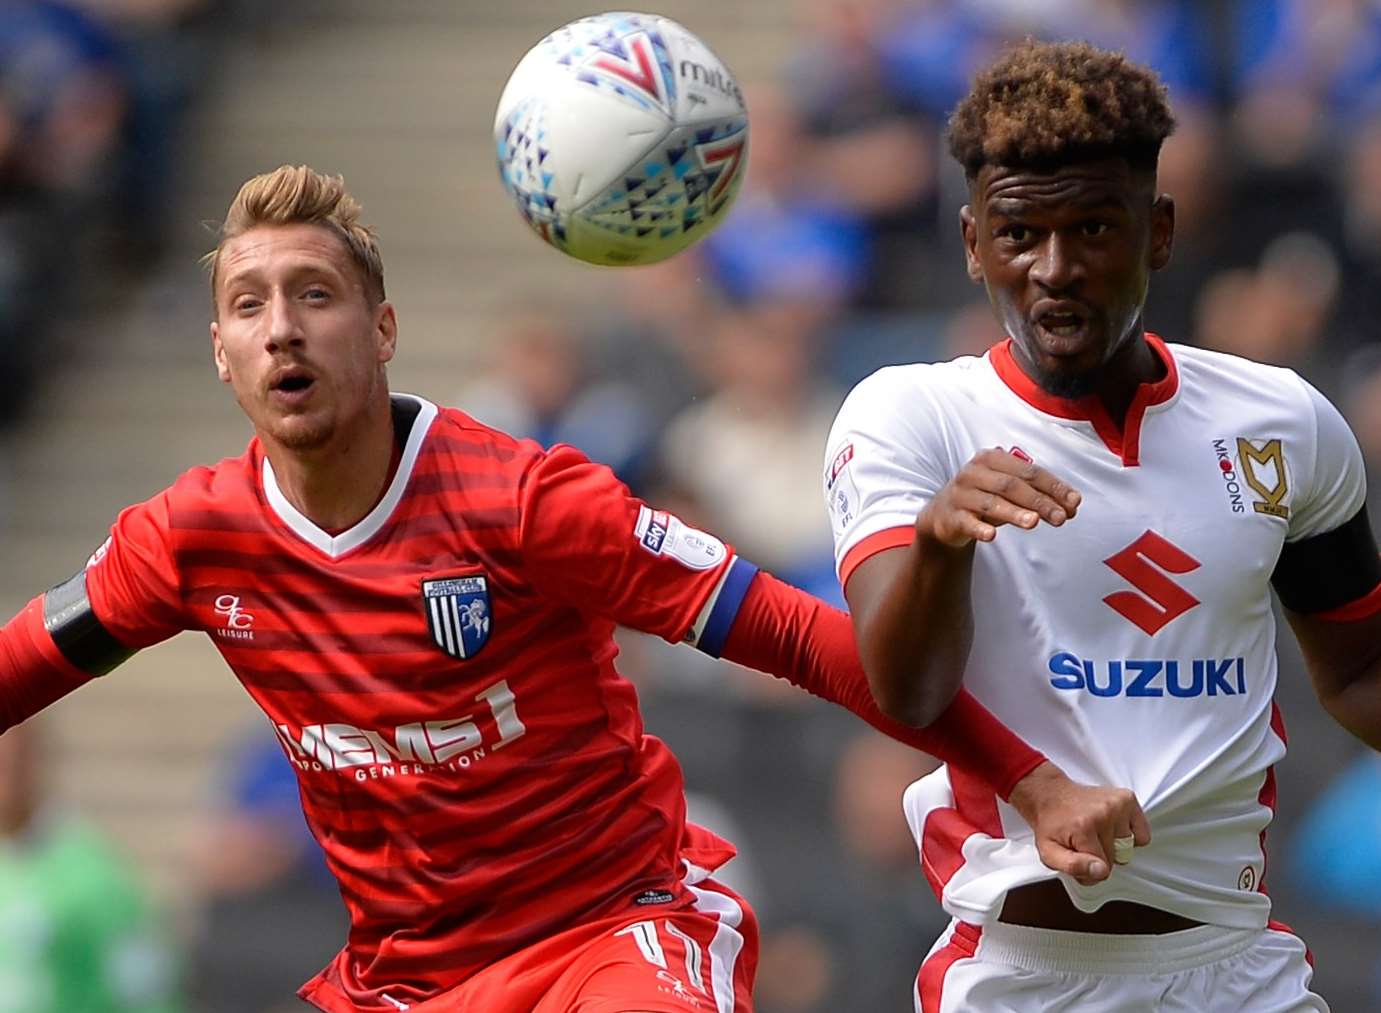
622, 138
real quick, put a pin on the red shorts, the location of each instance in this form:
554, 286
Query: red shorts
700, 959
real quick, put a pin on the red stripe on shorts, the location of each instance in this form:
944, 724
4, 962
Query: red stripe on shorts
930, 982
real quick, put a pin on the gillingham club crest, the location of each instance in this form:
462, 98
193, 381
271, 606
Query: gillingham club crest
457, 614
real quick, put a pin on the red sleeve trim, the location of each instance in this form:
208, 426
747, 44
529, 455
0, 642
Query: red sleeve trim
1363, 608
879, 541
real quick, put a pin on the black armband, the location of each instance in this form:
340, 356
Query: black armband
1329, 570
77, 632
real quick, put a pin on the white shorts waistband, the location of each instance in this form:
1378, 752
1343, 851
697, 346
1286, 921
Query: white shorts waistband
1055, 952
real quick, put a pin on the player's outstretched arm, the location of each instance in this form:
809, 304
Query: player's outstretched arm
911, 605
59, 641
33, 670
792, 635
587, 539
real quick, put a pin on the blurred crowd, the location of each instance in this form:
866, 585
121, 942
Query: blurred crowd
709, 382
91, 96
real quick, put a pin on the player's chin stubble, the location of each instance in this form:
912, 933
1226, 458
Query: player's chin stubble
1064, 383
299, 432
1071, 386
293, 432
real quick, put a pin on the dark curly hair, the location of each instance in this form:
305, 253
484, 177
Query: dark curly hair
1046, 104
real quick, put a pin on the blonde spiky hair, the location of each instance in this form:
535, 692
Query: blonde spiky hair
298, 194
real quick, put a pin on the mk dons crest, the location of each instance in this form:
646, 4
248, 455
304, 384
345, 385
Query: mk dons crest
458, 614
1266, 474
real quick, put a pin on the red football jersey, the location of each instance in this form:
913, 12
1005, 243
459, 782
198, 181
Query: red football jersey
442, 678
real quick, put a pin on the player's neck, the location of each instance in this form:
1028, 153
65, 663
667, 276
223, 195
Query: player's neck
335, 486
1135, 364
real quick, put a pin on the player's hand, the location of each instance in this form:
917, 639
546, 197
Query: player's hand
995, 488
1076, 824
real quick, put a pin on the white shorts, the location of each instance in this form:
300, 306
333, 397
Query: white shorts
1004, 968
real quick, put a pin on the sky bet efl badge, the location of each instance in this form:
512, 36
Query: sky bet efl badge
457, 614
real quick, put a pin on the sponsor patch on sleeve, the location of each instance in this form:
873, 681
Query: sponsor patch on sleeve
840, 491
664, 534
840, 462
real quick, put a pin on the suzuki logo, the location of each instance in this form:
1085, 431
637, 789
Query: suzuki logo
1161, 600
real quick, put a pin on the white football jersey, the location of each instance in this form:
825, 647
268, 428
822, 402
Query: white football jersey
1134, 645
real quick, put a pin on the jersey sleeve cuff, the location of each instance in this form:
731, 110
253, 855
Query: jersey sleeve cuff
1015, 772
1362, 608
1330, 571
879, 541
